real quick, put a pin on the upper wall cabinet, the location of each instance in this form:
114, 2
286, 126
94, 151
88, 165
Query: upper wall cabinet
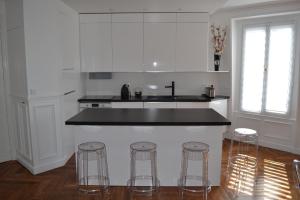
127, 39
96, 43
159, 41
150, 42
192, 42
68, 39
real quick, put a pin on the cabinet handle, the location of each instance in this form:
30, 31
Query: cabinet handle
22, 102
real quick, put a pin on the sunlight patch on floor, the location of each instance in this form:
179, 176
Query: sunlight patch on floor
273, 183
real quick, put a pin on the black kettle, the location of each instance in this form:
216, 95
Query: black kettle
125, 92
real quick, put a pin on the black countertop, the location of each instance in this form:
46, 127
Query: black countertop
181, 98
149, 117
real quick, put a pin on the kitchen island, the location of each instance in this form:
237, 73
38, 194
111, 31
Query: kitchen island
168, 128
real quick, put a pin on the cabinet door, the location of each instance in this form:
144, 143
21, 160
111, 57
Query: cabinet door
159, 46
127, 104
160, 105
192, 104
96, 46
68, 40
191, 47
127, 39
24, 147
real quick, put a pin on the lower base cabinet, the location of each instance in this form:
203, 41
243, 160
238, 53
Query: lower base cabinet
127, 105
193, 104
218, 105
160, 105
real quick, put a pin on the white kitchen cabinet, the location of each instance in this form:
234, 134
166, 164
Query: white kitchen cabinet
127, 42
192, 47
160, 105
159, 41
192, 104
192, 42
127, 104
220, 106
96, 43
68, 27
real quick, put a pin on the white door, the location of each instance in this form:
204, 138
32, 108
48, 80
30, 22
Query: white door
4, 141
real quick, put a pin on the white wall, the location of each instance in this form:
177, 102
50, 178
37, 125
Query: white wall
186, 83
5, 142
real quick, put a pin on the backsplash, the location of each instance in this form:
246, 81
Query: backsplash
154, 83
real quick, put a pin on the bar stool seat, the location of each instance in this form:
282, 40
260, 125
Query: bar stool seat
92, 168
190, 179
143, 179
245, 131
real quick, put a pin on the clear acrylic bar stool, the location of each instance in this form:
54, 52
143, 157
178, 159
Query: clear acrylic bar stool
244, 148
143, 168
92, 168
242, 162
194, 157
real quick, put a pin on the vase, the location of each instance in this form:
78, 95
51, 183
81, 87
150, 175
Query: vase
217, 59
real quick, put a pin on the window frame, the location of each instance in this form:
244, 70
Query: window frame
267, 25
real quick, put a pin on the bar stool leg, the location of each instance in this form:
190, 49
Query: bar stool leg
153, 168
205, 175
230, 155
183, 174
106, 170
132, 168
78, 173
85, 170
99, 165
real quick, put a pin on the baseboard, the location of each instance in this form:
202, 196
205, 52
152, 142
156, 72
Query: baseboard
49, 166
25, 163
277, 146
45, 167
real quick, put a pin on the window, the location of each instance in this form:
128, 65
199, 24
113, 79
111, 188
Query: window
267, 67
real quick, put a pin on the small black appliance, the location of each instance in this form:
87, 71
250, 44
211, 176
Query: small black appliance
125, 92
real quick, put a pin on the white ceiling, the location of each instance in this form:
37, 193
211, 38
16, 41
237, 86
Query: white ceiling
103, 6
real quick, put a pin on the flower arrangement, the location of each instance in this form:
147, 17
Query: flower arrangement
219, 36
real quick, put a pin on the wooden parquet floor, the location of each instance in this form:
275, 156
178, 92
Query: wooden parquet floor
272, 180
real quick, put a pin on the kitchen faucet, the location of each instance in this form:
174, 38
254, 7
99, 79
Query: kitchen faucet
173, 88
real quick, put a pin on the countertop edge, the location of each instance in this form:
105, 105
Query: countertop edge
147, 124
83, 100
